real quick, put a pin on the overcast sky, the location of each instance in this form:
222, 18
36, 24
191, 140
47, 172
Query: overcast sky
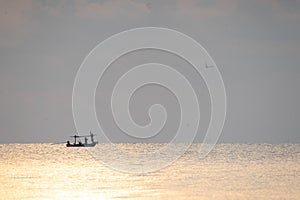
256, 45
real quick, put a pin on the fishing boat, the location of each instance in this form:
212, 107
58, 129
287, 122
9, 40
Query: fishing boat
78, 143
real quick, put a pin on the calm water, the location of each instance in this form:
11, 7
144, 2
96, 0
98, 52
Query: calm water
231, 171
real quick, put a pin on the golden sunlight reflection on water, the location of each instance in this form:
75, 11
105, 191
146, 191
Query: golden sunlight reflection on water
241, 171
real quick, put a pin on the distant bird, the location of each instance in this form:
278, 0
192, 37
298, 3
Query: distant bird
208, 66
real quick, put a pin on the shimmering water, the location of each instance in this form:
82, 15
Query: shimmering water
231, 171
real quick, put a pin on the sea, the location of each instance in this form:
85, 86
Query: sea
230, 171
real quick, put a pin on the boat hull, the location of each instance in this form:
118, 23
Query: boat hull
82, 145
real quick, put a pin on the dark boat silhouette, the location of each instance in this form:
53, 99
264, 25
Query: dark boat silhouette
80, 144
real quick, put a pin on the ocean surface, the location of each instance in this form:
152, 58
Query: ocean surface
230, 171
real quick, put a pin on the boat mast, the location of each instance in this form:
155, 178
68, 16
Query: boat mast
92, 136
